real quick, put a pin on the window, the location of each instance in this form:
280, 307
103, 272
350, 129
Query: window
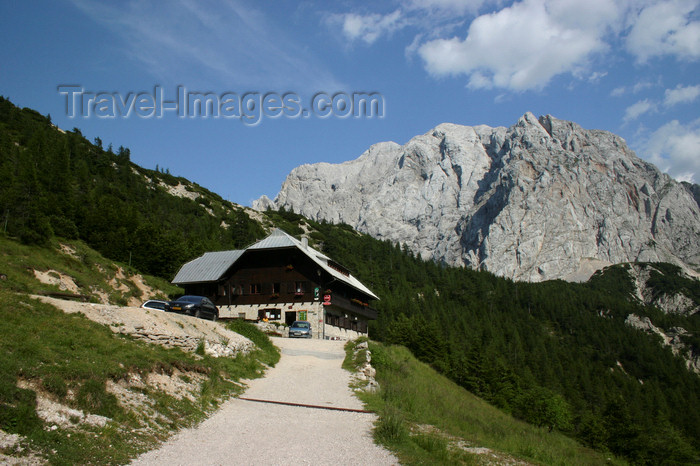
276, 287
333, 320
269, 314
299, 287
255, 288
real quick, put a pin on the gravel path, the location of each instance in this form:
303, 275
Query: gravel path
251, 433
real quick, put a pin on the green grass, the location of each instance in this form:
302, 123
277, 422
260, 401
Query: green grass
71, 359
412, 396
90, 271
268, 352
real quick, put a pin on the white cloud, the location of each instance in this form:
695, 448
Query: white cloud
675, 149
618, 91
225, 39
368, 28
636, 89
666, 28
681, 95
525, 45
638, 109
642, 86
597, 76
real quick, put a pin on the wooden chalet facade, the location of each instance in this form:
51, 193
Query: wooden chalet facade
282, 279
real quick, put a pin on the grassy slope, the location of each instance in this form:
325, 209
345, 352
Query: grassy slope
88, 269
70, 360
412, 395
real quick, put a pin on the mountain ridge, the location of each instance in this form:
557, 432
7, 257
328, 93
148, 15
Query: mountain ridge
543, 199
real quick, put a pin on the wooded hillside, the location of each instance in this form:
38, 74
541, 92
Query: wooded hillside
59, 183
556, 354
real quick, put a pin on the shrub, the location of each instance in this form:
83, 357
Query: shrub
390, 428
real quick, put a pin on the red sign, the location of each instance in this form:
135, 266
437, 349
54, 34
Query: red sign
326, 300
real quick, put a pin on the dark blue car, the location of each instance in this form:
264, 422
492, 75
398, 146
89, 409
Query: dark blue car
197, 306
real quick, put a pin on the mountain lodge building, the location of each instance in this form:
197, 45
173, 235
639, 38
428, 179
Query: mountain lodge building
282, 279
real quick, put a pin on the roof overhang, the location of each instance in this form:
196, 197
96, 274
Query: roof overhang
212, 266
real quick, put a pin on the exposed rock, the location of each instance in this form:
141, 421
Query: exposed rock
179, 190
15, 445
540, 200
162, 328
57, 414
53, 277
671, 338
676, 304
270, 328
366, 373
671, 303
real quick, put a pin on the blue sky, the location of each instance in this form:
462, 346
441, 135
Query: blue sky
630, 67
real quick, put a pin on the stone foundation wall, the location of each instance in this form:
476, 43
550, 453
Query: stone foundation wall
314, 315
337, 333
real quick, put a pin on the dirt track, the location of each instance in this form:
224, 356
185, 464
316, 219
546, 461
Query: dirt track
251, 433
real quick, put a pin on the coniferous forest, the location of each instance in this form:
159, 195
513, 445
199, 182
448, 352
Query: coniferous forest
558, 355
59, 183
555, 354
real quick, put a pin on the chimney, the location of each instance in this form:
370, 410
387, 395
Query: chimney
305, 242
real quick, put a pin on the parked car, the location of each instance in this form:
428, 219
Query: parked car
197, 306
300, 329
156, 304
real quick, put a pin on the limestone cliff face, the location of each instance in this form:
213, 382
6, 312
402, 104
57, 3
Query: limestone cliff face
540, 200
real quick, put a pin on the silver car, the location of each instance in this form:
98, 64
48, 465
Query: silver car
300, 329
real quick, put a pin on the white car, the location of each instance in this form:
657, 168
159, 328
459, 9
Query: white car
156, 304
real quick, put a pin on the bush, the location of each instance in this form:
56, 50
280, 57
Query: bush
544, 408
390, 428
64, 227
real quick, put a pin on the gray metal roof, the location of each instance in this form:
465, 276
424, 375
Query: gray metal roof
280, 239
207, 268
276, 239
212, 265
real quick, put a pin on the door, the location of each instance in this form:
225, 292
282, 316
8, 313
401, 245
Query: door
290, 317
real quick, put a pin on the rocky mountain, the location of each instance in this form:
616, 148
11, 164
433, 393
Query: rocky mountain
543, 199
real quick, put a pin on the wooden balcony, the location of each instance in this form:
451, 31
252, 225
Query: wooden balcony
353, 307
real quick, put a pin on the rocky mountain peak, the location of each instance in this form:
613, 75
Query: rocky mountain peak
540, 200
